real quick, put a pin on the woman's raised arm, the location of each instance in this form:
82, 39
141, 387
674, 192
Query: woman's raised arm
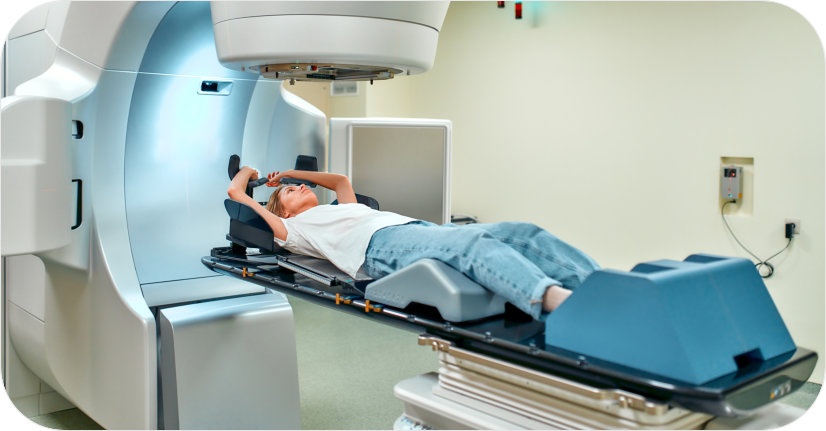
237, 192
335, 182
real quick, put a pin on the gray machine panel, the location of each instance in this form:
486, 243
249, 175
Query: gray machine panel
175, 171
230, 364
404, 168
179, 138
177, 146
196, 289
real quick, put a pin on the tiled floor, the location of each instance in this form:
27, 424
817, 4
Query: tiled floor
347, 369
72, 419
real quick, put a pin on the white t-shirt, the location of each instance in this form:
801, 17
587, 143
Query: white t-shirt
338, 233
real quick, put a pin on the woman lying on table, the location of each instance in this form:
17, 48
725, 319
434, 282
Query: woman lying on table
534, 270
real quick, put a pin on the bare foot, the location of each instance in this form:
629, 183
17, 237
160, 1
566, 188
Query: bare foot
554, 297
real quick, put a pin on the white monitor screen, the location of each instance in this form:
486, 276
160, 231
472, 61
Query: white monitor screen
406, 169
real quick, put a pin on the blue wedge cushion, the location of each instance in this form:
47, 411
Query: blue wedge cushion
691, 321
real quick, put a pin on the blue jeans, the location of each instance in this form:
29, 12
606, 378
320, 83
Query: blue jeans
515, 260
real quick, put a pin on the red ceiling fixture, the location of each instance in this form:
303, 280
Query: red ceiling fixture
517, 8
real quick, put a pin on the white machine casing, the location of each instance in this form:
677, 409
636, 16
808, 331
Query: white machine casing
399, 35
35, 174
82, 306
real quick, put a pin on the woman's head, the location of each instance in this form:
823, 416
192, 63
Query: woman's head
289, 201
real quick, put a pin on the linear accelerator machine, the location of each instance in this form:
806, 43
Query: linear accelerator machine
117, 122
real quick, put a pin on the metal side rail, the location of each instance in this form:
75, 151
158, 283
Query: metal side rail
533, 399
521, 341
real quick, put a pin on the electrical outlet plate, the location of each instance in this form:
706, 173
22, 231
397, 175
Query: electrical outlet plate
745, 205
796, 222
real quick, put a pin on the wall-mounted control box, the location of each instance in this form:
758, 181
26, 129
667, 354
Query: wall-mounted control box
731, 183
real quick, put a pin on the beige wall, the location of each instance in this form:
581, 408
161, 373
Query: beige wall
318, 94
606, 124
353, 106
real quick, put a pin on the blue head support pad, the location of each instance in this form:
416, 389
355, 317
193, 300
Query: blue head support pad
692, 321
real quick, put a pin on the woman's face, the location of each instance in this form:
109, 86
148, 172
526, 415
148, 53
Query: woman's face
296, 199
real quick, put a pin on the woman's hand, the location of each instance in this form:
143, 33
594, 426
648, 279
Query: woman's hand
274, 178
335, 182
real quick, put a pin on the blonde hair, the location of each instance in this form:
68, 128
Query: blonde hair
274, 204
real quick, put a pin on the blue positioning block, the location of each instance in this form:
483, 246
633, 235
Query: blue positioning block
692, 321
